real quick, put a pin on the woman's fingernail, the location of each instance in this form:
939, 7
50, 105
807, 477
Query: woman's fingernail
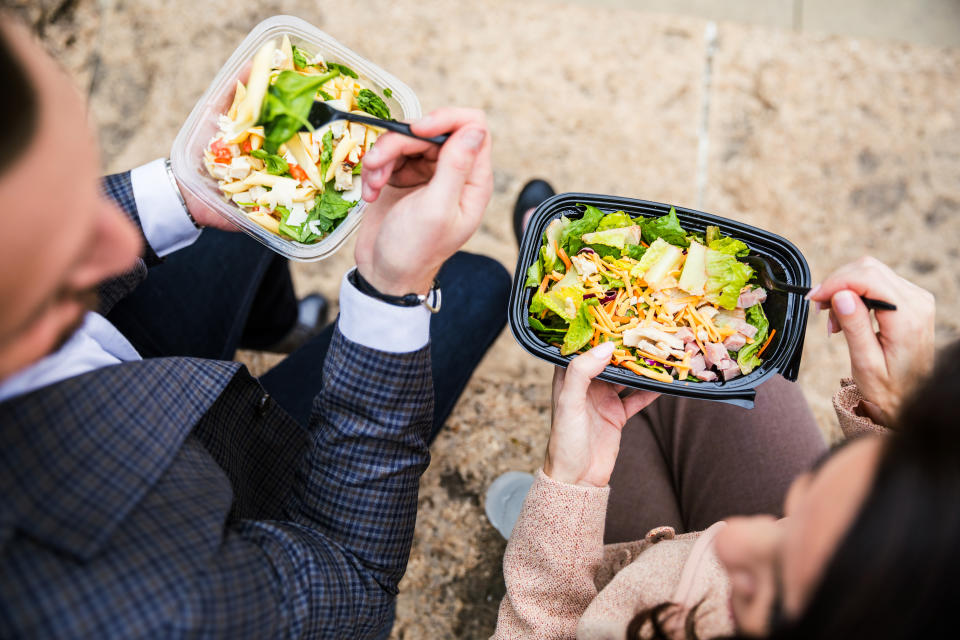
812, 292
844, 303
603, 351
829, 327
473, 138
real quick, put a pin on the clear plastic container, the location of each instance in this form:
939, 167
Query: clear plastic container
186, 157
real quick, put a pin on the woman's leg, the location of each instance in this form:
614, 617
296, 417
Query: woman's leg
719, 460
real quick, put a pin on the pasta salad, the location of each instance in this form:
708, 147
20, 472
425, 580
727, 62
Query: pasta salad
297, 184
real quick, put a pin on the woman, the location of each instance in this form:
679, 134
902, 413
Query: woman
868, 547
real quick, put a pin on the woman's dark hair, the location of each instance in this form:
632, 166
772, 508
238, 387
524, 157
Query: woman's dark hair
896, 573
18, 109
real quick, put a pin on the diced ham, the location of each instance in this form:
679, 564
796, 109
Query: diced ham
747, 329
735, 342
685, 334
697, 363
692, 348
716, 353
702, 334
698, 369
750, 297
729, 369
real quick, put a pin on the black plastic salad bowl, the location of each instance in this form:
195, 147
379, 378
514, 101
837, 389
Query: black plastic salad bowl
786, 313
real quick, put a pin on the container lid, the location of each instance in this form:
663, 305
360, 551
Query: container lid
787, 313
201, 125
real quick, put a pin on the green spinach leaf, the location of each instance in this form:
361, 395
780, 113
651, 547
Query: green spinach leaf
287, 105
345, 70
373, 104
276, 165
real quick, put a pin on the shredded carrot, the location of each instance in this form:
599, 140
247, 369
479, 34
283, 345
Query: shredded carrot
595, 339
543, 284
650, 373
597, 327
766, 343
644, 244
563, 256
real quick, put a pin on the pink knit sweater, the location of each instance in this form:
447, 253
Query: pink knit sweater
563, 582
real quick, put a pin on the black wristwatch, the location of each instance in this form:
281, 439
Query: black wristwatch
431, 300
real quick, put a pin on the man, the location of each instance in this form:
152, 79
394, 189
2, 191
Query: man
174, 495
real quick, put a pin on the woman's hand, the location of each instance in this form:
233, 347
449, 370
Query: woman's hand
886, 363
426, 200
587, 419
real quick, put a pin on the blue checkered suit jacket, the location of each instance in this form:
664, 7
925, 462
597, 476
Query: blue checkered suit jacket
173, 498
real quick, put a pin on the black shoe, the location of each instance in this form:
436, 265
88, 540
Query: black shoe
312, 312
532, 194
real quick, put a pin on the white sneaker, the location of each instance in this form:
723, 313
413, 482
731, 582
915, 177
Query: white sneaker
504, 500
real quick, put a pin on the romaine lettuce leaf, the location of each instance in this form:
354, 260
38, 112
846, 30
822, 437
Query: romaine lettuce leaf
666, 227
571, 239
551, 237
603, 250
731, 246
658, 248
615, 221
536, 303
726, 276
539, 327
580, 330
565, 297
535, 272
746, 357
634, 251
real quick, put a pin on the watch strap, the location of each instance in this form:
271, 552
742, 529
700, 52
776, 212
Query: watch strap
431, 300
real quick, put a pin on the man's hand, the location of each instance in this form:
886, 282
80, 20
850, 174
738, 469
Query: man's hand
887, 363
204, 215
426, 200
587, 419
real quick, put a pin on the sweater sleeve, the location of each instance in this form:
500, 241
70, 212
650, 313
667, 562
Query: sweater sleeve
854, 411
551, 560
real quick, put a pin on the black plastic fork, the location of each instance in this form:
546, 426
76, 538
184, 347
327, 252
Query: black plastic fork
322, 114
771, 281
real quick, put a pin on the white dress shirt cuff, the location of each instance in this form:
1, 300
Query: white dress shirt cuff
378, 325
165, 222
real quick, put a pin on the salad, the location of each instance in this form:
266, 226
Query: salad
297, 184
679, 305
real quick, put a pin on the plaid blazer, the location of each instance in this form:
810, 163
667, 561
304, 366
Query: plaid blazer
173, 497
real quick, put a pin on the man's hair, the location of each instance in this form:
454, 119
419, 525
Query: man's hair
18, 108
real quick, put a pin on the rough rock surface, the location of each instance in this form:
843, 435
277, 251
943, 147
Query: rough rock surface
844, 146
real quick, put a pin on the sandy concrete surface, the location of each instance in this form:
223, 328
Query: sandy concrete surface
844, 146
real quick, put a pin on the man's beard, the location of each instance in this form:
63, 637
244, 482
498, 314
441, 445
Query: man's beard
89, 299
